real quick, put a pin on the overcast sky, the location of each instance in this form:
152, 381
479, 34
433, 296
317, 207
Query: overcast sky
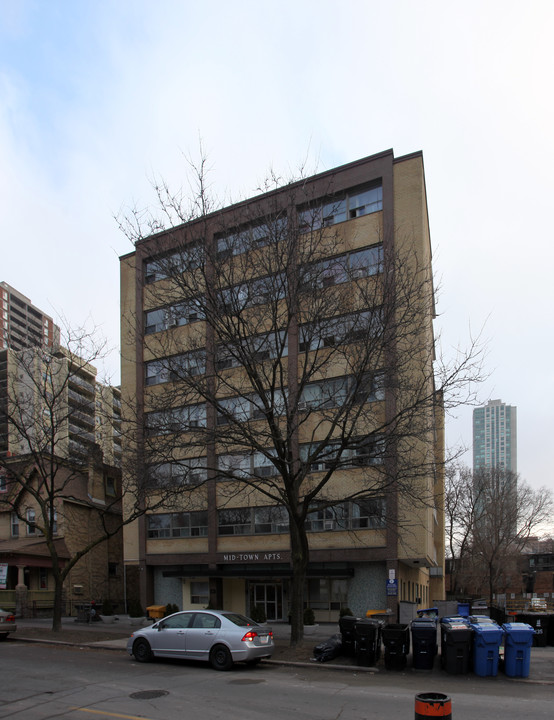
97, 96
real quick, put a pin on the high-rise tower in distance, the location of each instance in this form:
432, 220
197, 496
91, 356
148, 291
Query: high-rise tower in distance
495, 436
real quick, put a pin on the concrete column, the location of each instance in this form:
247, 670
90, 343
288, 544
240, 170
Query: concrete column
21, 578
21, 606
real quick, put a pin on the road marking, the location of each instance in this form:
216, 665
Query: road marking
110, 714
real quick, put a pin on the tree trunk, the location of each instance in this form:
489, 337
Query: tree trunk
58, 604
299, 557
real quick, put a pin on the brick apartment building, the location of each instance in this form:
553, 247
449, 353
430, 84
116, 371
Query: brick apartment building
244, 334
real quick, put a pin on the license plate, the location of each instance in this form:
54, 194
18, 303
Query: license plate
264, 639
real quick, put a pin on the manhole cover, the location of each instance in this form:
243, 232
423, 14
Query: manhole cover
246, 682
148, 694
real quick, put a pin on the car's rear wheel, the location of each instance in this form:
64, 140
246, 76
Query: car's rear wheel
221, 658
142, 650
3, 636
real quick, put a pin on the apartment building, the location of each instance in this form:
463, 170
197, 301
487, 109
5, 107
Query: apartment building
61, 428
87, 412
278, 354
22, 324
495, 436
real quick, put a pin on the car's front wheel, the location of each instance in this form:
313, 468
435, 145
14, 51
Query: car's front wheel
220, 658
142, 650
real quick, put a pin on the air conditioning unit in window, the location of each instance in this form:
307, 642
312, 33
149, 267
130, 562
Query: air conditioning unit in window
302, 405
77, 589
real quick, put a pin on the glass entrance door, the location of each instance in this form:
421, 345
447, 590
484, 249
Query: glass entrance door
270, 597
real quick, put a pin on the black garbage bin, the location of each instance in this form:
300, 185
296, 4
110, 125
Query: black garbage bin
456, 637
347, 624
368, 641
539, 622
396, 639
424, 644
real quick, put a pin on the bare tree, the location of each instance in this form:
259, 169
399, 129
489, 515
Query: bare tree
310, 359
492, 513
52, 469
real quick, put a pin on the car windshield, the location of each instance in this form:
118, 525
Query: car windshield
239, 620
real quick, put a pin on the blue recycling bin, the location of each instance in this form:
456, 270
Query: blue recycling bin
487, 638
518, 641
463, 609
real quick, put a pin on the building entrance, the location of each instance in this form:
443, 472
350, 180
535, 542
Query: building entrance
269, 597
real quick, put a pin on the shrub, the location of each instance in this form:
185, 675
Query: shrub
257, 614
170, 608
345, 611
135, 609
309, 617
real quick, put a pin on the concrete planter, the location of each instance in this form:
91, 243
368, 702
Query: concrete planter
136, 621
310, 629
108, 619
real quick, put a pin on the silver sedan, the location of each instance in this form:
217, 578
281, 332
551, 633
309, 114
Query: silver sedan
218, 637
7, 624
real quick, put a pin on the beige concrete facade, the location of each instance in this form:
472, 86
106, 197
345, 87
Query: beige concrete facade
400, 559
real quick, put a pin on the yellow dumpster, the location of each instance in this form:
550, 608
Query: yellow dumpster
155, 611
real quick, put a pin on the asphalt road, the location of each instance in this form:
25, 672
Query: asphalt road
41, 682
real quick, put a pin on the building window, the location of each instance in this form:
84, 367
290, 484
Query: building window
54, 522
43, 578
255, 349
353, 205
235, 521
175, 368
327, 593
251, 238
15, 525
344, 268
30, 517
176, 420
110, 486
3, 483
199, 592
176, 525
171, 316
264, 520
261, 291
366, 513
341, 330
186, 259
189, 471
325, 394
